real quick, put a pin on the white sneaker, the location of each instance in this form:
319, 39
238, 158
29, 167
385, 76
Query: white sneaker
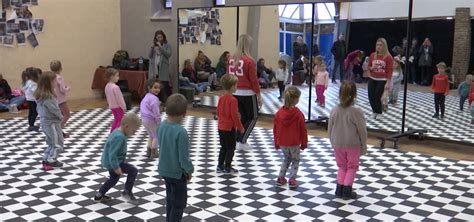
238, 146
245, 146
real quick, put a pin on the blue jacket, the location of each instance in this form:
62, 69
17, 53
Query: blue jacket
174, 151
463, 89
115, 150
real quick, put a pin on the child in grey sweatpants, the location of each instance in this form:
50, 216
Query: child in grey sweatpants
397, 77
50, 120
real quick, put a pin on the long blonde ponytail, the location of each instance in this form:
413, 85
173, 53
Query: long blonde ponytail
243, 48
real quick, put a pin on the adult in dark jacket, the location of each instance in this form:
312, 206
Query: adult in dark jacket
266, 73
412, 60
301, 69
338, 50
299, 48
6, 97
315, 50
425, 61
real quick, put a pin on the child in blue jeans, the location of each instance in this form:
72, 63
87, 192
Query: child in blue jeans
174, 164
113, 159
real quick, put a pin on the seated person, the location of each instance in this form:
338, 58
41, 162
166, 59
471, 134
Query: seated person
6, 97
187, 78
266, 73
300, 68
204, 70
221, 67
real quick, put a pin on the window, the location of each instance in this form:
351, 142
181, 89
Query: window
301, 13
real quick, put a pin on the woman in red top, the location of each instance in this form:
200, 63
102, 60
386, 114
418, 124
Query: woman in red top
248, 89
381, 67
471, 103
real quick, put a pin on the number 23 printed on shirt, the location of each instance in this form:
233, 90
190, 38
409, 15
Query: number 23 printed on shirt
239, 71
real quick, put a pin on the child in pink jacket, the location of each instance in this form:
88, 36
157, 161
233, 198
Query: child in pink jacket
322, 81
60, 90
114, 97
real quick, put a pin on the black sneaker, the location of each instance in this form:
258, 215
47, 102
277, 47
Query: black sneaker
56, 164
219, 169
33, 128
435, 116
102, 198
129, 197
231, 171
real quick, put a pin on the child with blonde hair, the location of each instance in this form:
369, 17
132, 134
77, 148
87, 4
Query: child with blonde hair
113, 159
175, 165
322, 82
290, 134
114, 97
463, 91
440, 88
348, 135
60, 90
228, 125
151, 116
50, 120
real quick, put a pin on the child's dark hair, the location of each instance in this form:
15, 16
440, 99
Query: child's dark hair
151, 82
24, 77
176, 105
110, 72
33, 73
347, 93
228, 81
292, 94
282, 63
56, 66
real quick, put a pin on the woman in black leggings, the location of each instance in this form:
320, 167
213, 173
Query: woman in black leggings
380, 66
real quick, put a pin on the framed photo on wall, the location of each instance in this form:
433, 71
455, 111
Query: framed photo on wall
220, 2
168, 4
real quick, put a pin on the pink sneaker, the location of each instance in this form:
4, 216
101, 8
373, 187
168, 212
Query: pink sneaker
292, 182
47, 166
281, 181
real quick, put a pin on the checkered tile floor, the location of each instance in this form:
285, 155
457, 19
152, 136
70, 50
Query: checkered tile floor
391, 184
456, 125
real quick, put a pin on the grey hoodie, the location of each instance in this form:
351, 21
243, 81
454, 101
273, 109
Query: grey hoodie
48, 110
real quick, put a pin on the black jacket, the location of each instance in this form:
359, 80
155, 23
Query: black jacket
299, 50
338, 49
316, 50
5, 90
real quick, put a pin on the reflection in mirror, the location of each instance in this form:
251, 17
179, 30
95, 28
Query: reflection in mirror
342, 40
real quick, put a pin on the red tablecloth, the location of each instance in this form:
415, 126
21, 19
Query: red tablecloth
136, 80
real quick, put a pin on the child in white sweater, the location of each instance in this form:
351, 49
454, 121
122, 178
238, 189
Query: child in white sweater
282, 76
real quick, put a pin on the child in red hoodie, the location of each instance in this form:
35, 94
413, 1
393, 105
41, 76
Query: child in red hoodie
440, 88
229, 121
471, 103
290, 134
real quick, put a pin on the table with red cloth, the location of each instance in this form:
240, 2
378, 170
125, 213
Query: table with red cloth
136, 80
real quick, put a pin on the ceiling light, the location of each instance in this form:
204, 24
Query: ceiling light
449, 17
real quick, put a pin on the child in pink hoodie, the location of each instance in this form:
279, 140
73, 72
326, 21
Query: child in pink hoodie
114, 97
60, 90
